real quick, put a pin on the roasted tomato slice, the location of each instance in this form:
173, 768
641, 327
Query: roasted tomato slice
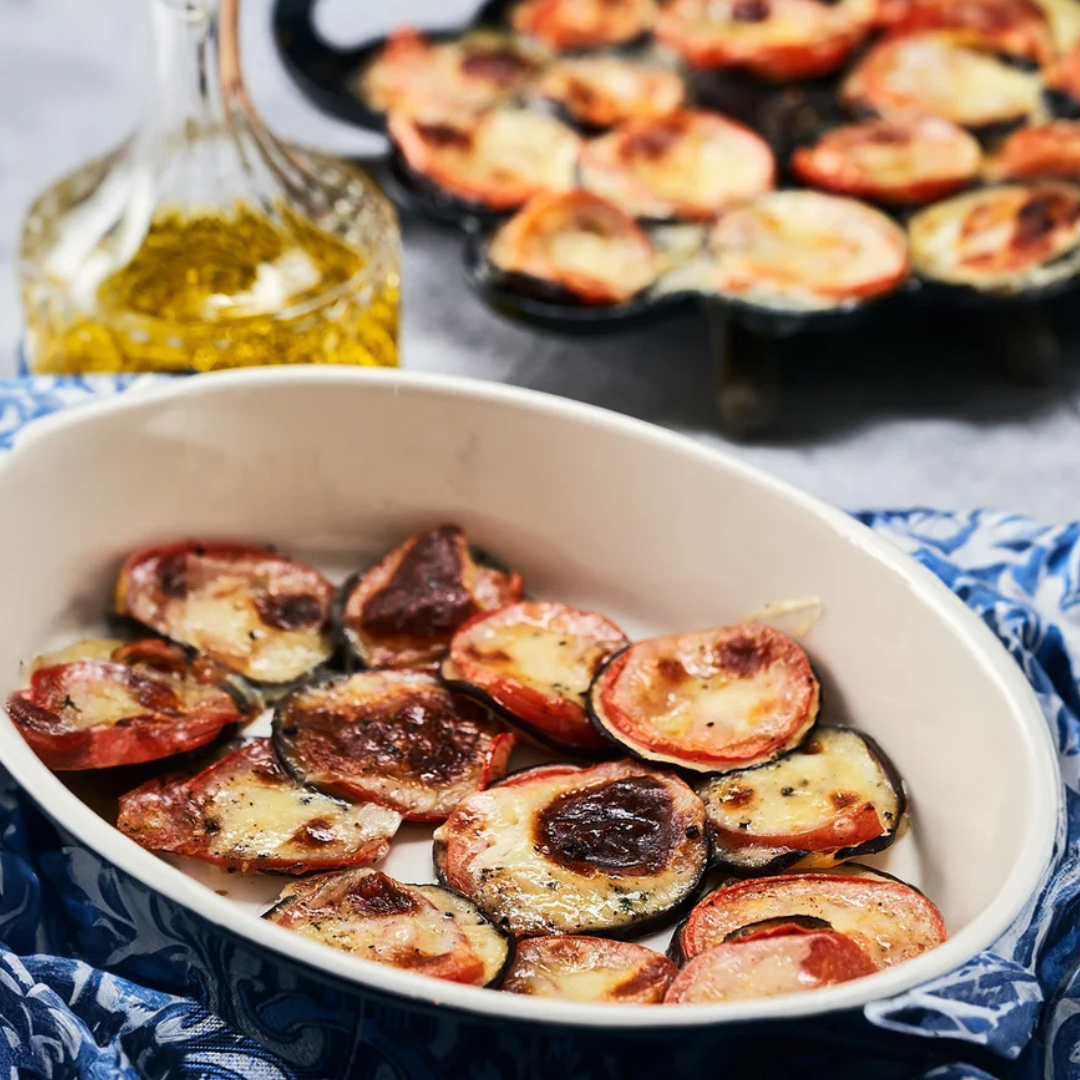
255, 611
805, 251
892, 161
710, 701
533, 662
933, 73
577, 968
1003, 239
246, 813
580, 244
599, 91
422, 928
562, 849
140, 701
890, 921
565, 25
835, 797
498, 159
418, 76
779, 40
689, 164
1014, 27
769, 966
403, 611
1046, 150
395, 737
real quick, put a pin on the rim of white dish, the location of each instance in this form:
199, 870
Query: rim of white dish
1026, 875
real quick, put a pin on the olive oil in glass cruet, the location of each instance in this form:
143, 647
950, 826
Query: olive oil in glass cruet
203, 242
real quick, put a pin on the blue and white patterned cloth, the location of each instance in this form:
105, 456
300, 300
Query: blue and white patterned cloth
93, 973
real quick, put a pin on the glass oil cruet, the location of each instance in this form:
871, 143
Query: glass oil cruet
203, 242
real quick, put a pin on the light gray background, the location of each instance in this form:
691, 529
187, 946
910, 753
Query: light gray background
882, 425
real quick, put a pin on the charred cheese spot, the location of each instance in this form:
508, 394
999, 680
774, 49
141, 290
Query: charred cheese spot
583, 24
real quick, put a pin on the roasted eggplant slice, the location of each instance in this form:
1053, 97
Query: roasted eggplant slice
1004, 240
565, 25
394, 737
933, 73
1046, 150
777, 40
421, 928
1013, 27
915, 160
562, 849
420, 77
533, 663
836, 797
709, 701
496, 160
403, 611
88, 708
246, 813
576, 968
768, 966
687, 165
890, 921
256, 612
601, 91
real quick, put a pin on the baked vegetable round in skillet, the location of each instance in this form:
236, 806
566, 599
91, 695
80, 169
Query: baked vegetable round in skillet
599, 91
1045, 150
402, 612
260, 614
394, 737
246, 813
769, 965
1006, 239
422, 928
1062, 80
890, 921
709, 701
496, 160
576, 968
933, 73
689, 164
562, 849
892, 161
805, 251
833, 798
116, 703
533, 662
583, 24
1064, 19
778, 40
1014, 27
419, 76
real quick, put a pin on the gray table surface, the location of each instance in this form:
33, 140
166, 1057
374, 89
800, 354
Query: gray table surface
883, 425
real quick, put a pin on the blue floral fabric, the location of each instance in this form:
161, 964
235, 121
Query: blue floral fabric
100, 978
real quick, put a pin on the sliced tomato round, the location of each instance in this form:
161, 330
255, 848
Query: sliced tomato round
564, 25
246, 813
608, 850
393, 737
258, 613
709, 701
1050, 150
403, 611
573, 967
892, 161
890, 921
1014, 27
833, 798
497, 159
425, 929
778, 40
763, 967
533, 662
687, 165
98, 713
1003, 239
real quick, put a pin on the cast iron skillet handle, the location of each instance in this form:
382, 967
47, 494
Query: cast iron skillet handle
747, 367
322, 71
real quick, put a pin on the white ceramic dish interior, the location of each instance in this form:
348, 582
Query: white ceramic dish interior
594, 509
